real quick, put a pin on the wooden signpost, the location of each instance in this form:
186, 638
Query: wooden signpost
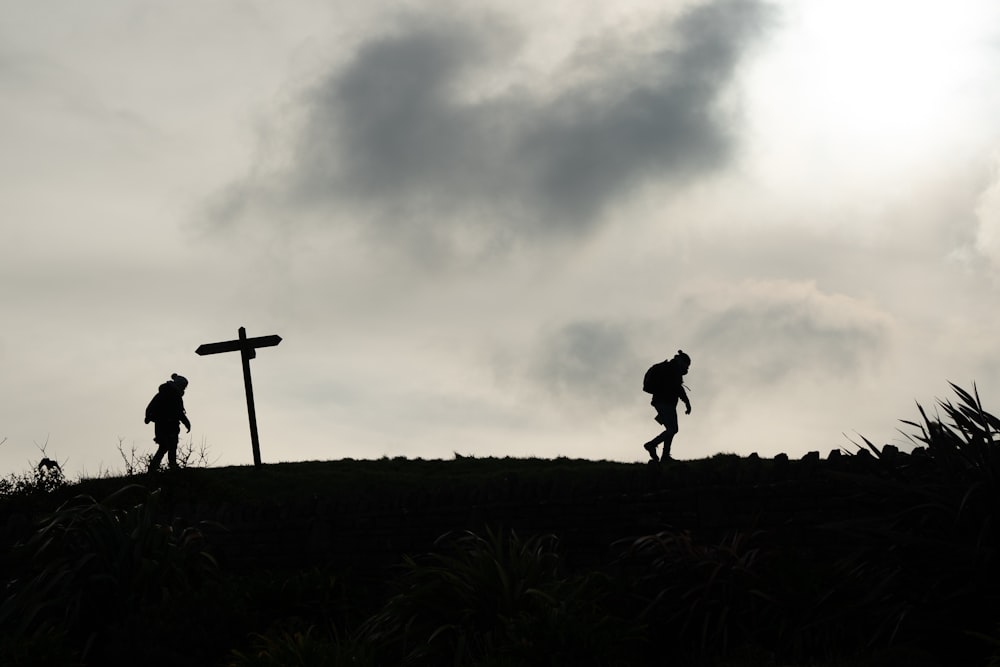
248, 350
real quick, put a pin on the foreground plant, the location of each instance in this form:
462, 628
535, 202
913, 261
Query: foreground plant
498, 598
93, 572
933, 535
303, 648
701, 599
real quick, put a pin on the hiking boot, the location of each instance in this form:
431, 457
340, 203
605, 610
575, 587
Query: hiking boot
651, 448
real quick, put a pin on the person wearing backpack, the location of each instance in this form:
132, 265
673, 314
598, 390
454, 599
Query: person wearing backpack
166, 411
665, 381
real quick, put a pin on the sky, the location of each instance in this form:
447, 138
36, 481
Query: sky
475, 225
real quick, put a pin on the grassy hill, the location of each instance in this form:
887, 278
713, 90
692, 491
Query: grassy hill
390, 481
875, 557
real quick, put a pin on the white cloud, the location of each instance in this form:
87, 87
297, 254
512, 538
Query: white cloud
987, 240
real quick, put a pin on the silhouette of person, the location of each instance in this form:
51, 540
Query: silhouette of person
166, 411
667, 389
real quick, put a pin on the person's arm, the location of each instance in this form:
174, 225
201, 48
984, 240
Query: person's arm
183, 416
687, 403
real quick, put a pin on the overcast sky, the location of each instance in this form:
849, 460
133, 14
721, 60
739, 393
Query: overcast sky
475, 225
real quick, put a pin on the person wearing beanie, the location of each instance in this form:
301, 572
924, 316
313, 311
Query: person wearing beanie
166, 411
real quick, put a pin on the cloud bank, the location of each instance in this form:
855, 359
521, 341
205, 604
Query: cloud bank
399, 141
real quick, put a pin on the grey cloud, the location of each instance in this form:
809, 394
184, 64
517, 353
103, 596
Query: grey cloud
781, 330
591, 146
588, 361
387, 127
399, 138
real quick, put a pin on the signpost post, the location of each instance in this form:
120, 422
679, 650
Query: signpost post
248, 350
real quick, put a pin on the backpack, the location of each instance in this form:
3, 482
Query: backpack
657, 378
154, 411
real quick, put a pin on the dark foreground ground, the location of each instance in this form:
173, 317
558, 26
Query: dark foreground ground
867, 558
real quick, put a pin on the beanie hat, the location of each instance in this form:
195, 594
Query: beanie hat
179, 380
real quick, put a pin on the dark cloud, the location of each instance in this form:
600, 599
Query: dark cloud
388, 129
405, 138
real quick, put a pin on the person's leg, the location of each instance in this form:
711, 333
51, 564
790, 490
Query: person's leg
651, 447
668, 438
166, 438
154, 463
664, 438
669, 420
661, 418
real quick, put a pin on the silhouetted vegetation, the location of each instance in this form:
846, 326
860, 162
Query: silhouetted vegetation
870, 557
94, 577
40, 480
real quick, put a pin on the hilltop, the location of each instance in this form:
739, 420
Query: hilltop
396, 482
848, 560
